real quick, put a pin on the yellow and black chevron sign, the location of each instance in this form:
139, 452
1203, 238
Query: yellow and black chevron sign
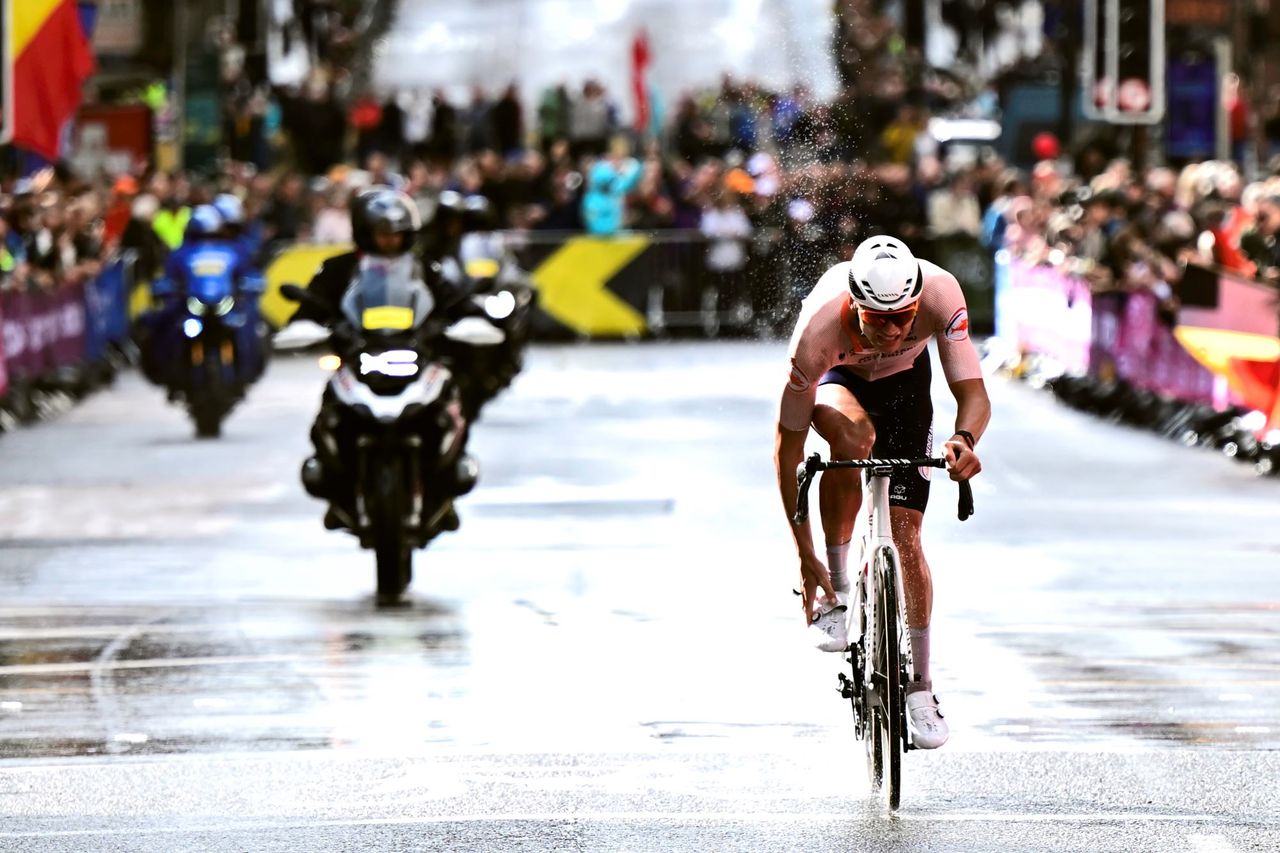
592, 286
588, 286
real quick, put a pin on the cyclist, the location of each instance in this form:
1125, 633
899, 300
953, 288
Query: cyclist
860, 376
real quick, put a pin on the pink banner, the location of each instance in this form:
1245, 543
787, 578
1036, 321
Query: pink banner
1148, 356
1112, 335
1051, 314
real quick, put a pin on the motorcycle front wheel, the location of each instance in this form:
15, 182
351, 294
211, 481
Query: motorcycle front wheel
392, 551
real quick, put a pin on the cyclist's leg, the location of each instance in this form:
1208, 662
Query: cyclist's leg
845, 425
917, 582
903, 414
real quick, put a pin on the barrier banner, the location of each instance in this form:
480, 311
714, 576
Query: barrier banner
4, 373
44, 329
1051, 314
1108, 336
1231, 325
106, 304
1149, 357
22, 360
62, 316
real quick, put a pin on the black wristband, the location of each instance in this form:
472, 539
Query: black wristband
967, 436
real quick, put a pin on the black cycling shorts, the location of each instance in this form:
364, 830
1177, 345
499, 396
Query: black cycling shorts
901, 411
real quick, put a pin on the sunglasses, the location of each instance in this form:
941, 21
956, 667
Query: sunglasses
901, 318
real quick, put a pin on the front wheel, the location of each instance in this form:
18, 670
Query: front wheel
886, 735
391, 548
395, 569
208, 422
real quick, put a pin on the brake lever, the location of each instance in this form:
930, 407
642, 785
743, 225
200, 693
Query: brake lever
965, 509
804, 478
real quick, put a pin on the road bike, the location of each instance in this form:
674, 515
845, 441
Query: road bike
880, 657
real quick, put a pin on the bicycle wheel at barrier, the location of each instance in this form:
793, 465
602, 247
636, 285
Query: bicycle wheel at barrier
888, 713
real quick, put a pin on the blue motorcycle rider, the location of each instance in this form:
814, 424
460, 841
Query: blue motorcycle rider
237, 229
210, 273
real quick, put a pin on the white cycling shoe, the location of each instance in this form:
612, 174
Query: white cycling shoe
830, 631
924, 719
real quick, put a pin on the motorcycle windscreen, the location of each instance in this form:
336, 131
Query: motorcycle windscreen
387, 295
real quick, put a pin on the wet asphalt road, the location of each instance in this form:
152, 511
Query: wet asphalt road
607, 655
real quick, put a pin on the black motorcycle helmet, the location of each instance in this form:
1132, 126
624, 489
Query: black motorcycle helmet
455, 216
384, 211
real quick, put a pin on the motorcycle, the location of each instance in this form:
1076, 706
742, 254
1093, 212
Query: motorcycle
502, 291
208, 348
391, 434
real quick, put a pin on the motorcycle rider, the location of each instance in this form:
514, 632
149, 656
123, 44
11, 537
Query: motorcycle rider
205, 253
384, 223
236, 227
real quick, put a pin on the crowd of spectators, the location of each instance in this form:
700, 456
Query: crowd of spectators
1125, 229
761, 175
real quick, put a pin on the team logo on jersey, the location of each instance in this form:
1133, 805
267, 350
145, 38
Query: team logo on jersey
798, 382
958, 326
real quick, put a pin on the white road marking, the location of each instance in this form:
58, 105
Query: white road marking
606, 817
173, 663
1210, 844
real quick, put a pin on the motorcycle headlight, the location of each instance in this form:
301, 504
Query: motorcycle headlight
395, 362
500, 305
191, 327
224, 306
195, 306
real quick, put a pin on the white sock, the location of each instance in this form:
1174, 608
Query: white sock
920, 653
837, 564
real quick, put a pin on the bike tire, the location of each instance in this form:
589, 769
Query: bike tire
891, 731
393, 555
863, 662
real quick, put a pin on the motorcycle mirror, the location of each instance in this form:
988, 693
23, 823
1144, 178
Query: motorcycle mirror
300, 335
475, 331
293, 292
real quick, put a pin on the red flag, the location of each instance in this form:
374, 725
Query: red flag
52, 59
640, 58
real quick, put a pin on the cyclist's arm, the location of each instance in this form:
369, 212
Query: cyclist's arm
973, 407
960, 362
794, 414
788, 454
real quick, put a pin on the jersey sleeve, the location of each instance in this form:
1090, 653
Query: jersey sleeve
809, 354
955, 348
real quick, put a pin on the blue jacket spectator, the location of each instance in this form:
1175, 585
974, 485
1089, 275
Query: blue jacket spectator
608, 184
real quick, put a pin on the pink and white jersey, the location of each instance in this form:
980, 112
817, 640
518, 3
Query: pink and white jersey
825, 337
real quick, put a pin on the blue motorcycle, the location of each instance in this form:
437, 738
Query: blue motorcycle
208, 342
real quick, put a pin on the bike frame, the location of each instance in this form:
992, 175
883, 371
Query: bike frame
875, 483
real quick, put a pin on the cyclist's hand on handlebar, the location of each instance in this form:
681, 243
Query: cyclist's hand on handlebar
962, 463
814, 576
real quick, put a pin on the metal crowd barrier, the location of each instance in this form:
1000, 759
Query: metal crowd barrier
663, 276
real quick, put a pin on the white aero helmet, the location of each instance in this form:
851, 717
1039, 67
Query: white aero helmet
884, 275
